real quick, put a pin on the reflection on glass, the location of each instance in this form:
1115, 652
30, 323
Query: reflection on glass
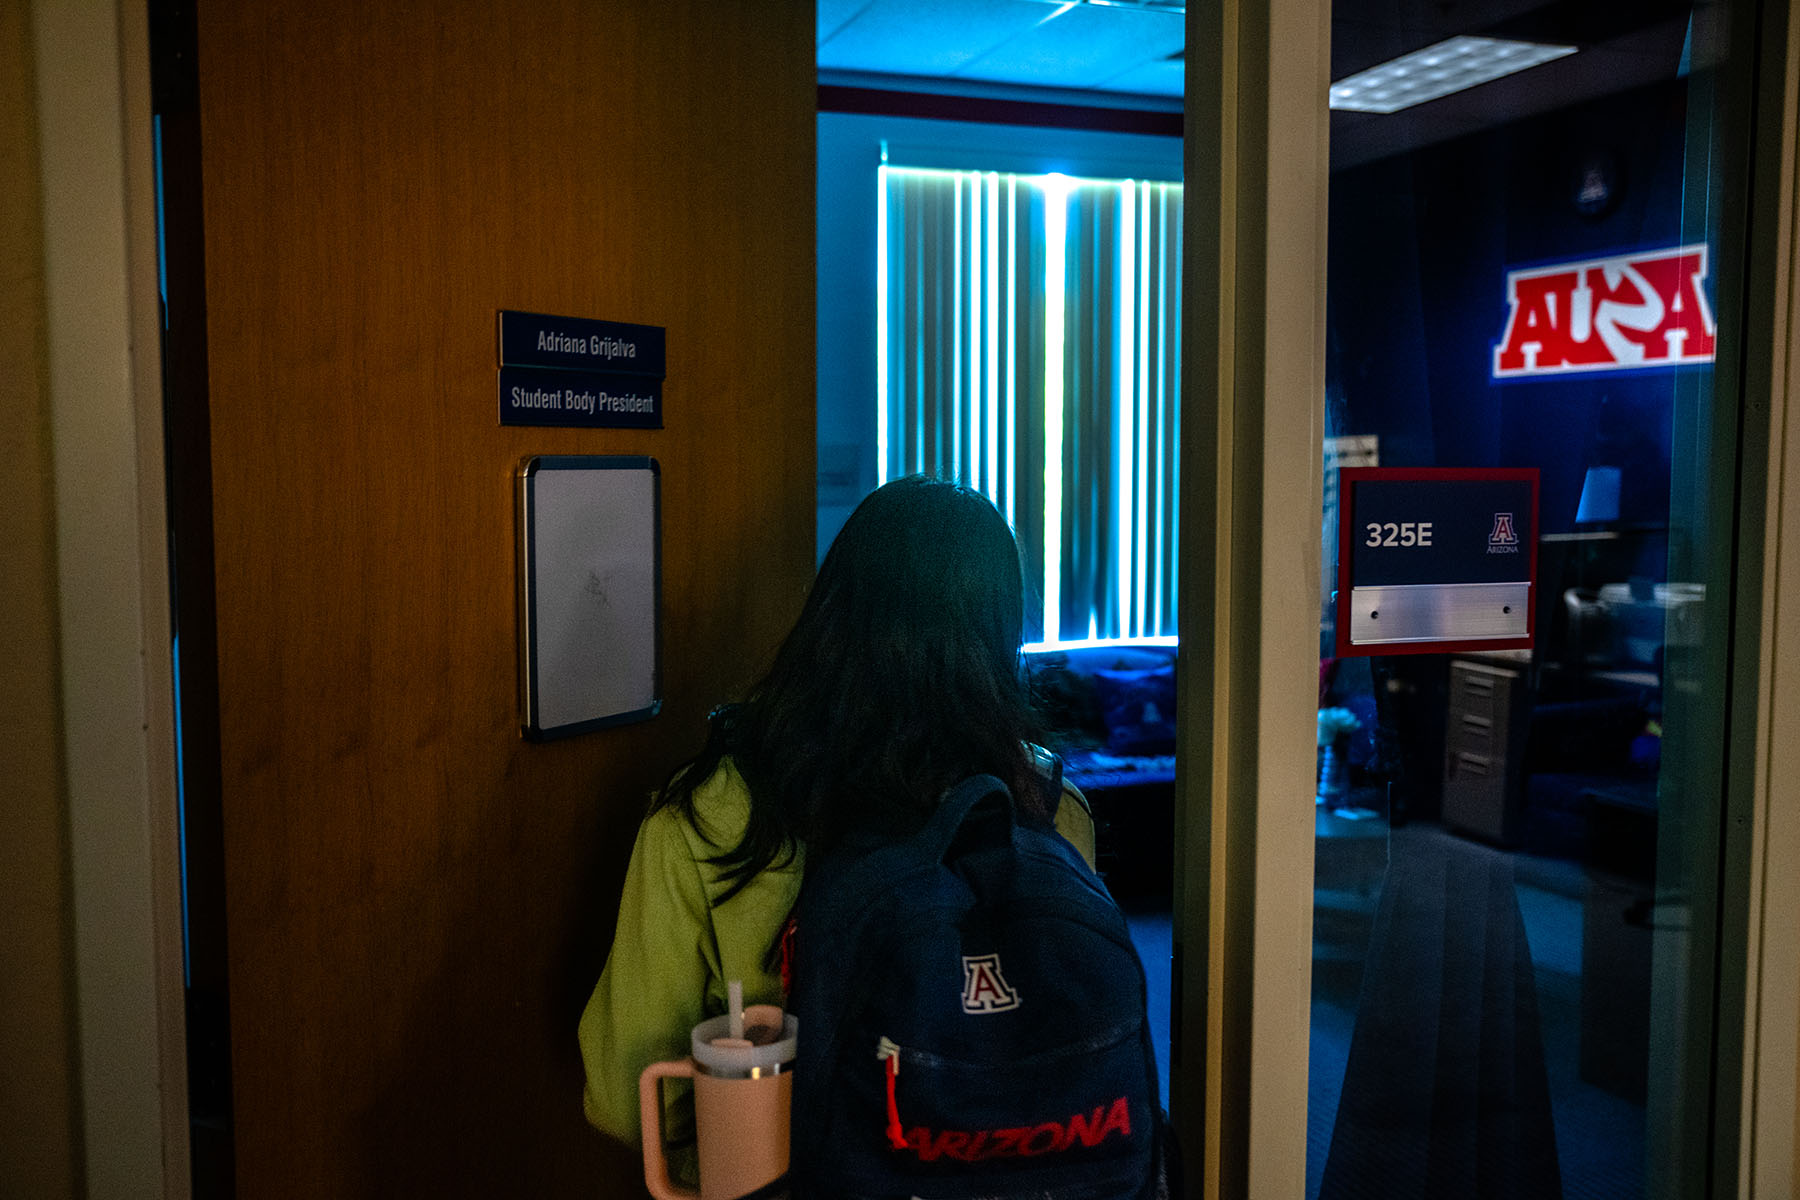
1509, 867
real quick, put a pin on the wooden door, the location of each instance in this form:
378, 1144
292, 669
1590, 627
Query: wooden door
416, 900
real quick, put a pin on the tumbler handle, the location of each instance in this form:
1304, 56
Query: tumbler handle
656, 1166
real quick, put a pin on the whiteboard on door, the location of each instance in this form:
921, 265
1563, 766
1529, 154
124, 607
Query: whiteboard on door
590, 581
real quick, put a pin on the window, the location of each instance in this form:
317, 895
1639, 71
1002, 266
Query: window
1028, 345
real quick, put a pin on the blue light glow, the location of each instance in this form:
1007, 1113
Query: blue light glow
881, 325
956, 339
1056, 190
979, 349
1124, 506
991, 393
1098, 644
952, 275
1012, 350
1140, 359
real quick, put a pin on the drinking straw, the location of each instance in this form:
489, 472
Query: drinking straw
735, 989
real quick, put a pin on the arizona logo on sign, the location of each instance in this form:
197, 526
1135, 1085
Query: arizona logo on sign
1627, 312
985, 990
1504, 539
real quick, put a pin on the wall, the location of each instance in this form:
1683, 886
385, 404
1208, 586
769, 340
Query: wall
39, 1156
1420, 246
418, 901
850, 152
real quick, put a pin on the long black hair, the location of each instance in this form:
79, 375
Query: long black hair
901, 677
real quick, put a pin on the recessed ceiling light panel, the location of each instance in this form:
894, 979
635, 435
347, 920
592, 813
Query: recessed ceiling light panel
1451, 66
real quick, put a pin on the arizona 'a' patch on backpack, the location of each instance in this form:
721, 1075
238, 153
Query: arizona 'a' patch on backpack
974, 1019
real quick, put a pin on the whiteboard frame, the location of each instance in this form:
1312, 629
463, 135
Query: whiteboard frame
542, 576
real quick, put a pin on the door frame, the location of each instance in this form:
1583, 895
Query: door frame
1257, 171
1767, 1155
92, 67
1253, 386
1256, 180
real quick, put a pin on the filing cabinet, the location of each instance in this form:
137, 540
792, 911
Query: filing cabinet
1484, 745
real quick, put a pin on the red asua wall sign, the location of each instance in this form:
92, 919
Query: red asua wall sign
1627, 312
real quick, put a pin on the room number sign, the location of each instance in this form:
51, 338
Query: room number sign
1436, 559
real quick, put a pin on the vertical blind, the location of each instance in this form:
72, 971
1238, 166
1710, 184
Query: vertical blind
1028, 347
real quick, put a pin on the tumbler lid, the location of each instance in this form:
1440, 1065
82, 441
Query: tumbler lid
720, 1054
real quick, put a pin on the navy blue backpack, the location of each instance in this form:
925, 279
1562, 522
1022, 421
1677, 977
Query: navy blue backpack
973, 1019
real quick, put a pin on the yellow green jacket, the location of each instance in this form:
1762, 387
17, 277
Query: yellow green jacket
676, 947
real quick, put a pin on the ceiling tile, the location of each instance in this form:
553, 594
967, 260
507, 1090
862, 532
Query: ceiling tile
925, 37
1153, 79
835, 14
1082, 47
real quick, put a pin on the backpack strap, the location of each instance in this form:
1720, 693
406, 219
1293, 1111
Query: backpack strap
958, 804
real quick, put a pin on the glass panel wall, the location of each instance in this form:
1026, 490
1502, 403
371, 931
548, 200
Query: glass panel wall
1516, 872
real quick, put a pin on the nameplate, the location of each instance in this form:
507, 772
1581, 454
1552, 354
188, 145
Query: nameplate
580, 344
582, 399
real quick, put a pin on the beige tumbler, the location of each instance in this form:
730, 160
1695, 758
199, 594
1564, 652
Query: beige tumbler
743, 1093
